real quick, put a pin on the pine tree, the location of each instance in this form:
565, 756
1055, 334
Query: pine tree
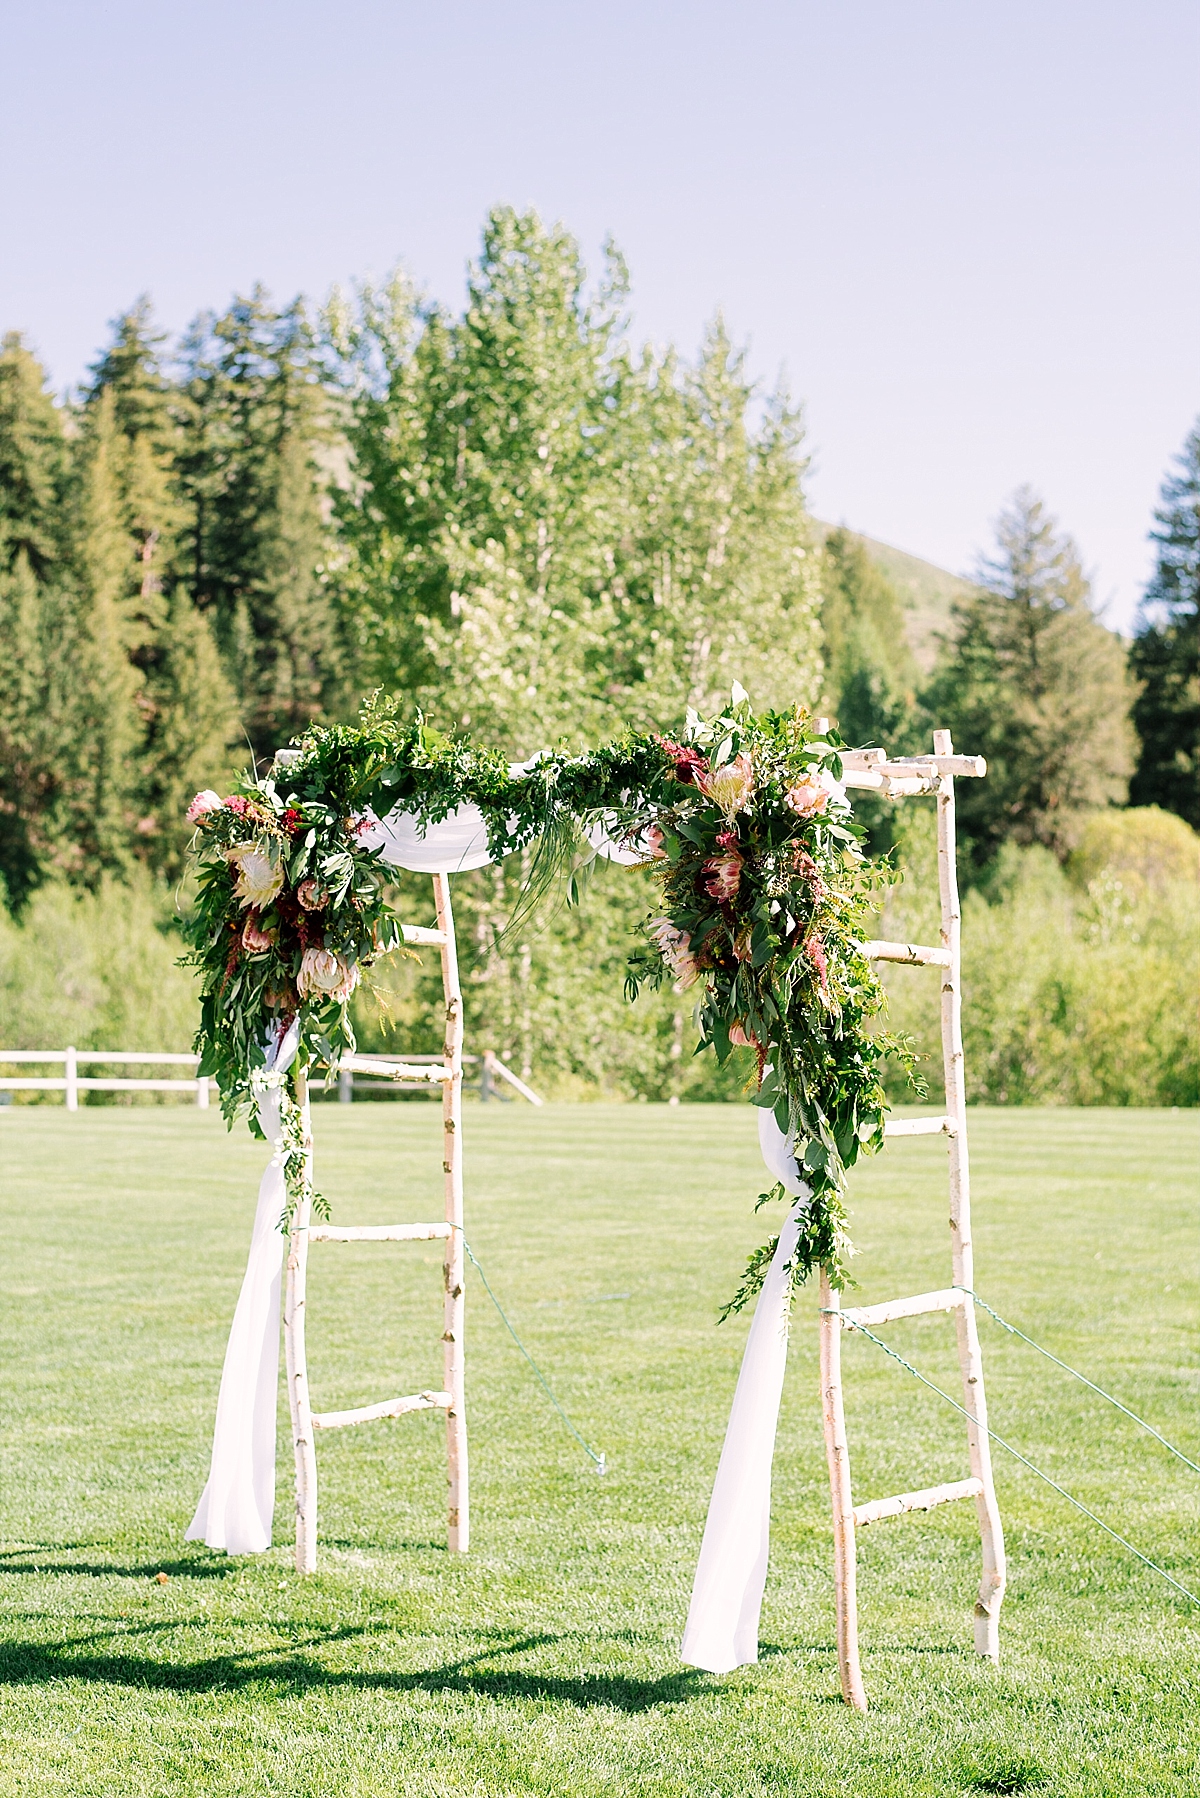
183, 718
1165, 658
1035, 683
34, 464
255, 423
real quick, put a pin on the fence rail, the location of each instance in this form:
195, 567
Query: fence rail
71, 1082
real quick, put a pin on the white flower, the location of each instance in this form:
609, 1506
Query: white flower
260, 874
326, 975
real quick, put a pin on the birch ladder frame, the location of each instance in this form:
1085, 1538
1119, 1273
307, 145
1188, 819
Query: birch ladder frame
451, 1398
933, 775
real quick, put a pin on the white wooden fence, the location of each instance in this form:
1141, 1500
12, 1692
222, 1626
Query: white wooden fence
71, 1082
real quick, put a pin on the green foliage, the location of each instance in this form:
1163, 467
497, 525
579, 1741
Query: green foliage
549, 536
1032, 681
1165, 658
97, 969
1077, 991
871, 676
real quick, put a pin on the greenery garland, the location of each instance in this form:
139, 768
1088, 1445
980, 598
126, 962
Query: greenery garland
742, 826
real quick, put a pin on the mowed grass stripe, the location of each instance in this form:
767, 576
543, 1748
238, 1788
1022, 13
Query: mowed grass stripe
547, 1660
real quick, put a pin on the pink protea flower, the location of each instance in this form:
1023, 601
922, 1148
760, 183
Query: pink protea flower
729, 787
806, 798
202, 804
326, 975
740, 1037
723, 875
654, 840
312, 895
254, 938
675, 947
814, 794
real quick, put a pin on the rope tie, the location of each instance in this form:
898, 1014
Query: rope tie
1024, 1459
600, 1460
1140, 1421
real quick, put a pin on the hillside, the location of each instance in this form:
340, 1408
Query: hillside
927, 592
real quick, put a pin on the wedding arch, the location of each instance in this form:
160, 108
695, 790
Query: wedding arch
763, 899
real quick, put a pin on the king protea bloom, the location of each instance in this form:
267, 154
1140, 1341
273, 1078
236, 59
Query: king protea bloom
723, 875
740, 1037
326, 975
675, 947
259, 876
202, 804
730, 786
254, 938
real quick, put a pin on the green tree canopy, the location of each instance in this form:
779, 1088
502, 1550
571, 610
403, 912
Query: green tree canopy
1165, 658
1032, 680
549, 534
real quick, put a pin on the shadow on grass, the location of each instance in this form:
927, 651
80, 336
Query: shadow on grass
36, 1663
39, 1561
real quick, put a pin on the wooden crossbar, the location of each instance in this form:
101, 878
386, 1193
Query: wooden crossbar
915, 954
420, 1073
417, 933
920, 1127
948, 1299
379, 1232
391, 1407
925, 1500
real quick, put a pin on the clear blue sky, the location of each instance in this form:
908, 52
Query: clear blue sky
970, 233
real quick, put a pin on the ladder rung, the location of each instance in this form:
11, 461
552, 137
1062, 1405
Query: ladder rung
916, 954
397, 1070
391, 1407
920, 1127
949, 1299
879, 1508
378, 1232
417, 933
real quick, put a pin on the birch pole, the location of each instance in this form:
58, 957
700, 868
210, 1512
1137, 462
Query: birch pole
837, 1450
454, 1266
992, 1582
296, 1356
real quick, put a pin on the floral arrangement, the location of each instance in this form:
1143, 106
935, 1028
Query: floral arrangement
742, 826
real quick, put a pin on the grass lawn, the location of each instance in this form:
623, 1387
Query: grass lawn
546, 1661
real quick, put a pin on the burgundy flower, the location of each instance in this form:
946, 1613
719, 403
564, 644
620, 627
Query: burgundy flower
727, 839
689, 763
292, 820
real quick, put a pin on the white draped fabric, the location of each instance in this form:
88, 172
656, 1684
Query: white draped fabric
722, 1624
236, 1505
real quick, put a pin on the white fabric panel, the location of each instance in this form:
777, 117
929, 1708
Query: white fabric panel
459, 842
722, 1624
237, 1504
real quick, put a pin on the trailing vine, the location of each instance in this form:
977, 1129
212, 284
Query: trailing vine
742, 826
